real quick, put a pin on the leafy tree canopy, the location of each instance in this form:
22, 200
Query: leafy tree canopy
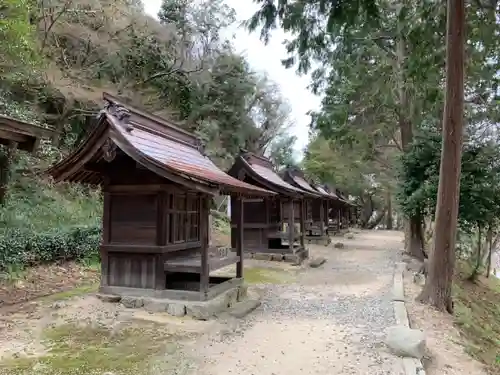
479, 184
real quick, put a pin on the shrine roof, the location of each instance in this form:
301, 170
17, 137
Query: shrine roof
26, 135
261, 170
153, 142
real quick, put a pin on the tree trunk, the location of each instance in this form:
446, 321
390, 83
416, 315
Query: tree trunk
489, 240
414, 237
6, 156
437, 288
366, 211
379, 216
388, 215
479, 246
416, 244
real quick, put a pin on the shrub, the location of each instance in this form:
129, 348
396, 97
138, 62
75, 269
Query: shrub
24, 249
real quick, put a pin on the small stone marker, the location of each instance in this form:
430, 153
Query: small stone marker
406, 342
338, 245
316, 262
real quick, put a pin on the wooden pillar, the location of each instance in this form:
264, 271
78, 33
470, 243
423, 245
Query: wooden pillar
291, 225
239, 238
105, 234
161, 239
339, 218
322, 217
204, 275
302, 224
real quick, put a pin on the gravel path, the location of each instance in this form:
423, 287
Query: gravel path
330, 321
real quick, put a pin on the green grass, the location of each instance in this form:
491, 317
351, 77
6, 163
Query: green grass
75, 292
37, 205
261, 275
477, 314
86, 350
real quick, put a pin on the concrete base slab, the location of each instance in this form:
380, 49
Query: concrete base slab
201, 310
295, 258
318, 240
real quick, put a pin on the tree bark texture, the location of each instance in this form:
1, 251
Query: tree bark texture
379, 216
414, 238
437, 288
388, 215
489, 243
479, 247
416, 243
6, 156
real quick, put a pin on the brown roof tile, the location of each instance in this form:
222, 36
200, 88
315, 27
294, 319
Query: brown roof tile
160, 144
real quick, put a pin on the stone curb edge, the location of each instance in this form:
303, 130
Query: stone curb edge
412, 366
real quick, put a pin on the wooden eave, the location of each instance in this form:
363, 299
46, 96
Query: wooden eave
289, 177
26, 135
241, 164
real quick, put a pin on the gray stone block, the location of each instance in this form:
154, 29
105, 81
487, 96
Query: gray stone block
277, 257
290, 258
155, 305
108, 297
406, 342
204, 310
315, 263
132, 302
242, 309
242, 293
263, 256
176, 309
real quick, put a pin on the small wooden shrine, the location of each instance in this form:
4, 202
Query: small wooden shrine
340, 215
264, 218
335, 209
157, 186
330, 206
17, 135
316, 225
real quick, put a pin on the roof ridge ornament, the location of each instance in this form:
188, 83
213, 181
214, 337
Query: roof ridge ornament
108, 150
121, 113
200, 146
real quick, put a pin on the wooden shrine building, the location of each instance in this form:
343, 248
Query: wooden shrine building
264, 218
17, 135
339, 214
315, 202
157, 186
331, 206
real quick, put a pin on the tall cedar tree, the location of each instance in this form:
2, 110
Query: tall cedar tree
437, 289
301, 18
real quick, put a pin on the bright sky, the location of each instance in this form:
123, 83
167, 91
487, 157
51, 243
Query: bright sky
267, 58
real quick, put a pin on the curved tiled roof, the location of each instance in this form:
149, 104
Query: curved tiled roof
154, 143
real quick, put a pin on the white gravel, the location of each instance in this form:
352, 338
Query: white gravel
330, 321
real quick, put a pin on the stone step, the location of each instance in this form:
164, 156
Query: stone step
243, 308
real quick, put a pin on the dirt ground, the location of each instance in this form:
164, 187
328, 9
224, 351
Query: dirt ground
446, 354
327, 320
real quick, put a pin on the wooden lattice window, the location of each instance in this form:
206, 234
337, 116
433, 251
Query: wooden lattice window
193, 218
184, 218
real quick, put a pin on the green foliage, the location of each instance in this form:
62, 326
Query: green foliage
311, 22
42, 223
182, 68
479, 184
281, 151
22, 248
17, 38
